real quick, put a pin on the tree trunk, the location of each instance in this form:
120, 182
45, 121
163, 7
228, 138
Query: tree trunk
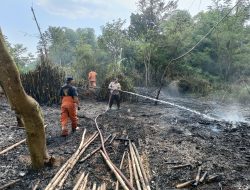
24, 105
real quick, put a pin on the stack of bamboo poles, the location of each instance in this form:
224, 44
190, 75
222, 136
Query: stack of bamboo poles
81, 184
136, 169
44, 83
137, 172
61, 176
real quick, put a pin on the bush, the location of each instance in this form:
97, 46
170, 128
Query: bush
193, 85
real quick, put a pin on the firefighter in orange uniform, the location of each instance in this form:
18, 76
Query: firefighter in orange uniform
69, 105
92, 79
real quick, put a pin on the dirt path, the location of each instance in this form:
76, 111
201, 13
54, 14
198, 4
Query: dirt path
165, 136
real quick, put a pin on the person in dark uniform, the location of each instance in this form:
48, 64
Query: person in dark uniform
69, 105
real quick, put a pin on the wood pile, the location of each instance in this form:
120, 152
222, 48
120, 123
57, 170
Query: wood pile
44, 83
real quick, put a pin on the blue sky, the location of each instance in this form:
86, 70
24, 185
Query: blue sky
16, 20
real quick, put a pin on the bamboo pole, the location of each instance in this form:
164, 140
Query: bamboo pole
78, 183
134, 167
94, 151
60, 177
130, 170
75, 159
138, 169
112, 139
94, 186
53, 180
84, 183
185, 184
180, 166
203, 177
9, 184
142, 168
36, 185
117, 182
14, 145
103, 186
119, 178
197, 176
107, 156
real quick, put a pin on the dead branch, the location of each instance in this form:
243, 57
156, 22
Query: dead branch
41, 35
9, 184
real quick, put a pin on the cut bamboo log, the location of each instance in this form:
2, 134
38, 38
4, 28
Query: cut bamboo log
112, 139
185, 184
103, 186
138, 169
130, 170
9, 184
197, 176
14, 145
118, 177
180, 166
134, 167
94, 151
203, 177
84, 183
142, 168
117, 182
94, 186
78, 183
36, 185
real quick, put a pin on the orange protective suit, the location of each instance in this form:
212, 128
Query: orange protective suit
92, 78
68, 111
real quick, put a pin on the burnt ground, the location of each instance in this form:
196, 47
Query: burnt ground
165, 136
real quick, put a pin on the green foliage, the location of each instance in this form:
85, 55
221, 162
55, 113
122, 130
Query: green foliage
157, 34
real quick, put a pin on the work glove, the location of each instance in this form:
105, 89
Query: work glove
78, 108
